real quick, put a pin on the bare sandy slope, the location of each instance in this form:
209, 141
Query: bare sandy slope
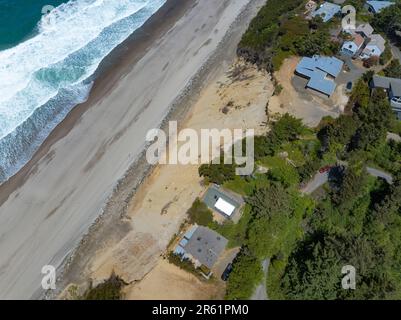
160, 204
169, 282
44, 219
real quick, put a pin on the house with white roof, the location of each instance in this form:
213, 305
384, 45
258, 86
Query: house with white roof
223, 202
364, 42
375, 47
377, 6
327, 11
352, 46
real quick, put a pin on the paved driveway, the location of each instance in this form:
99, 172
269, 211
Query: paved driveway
393, 136
221, 264
318, 180
396, 52
352, 75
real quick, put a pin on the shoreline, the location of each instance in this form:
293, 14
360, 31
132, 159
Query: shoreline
114, 216
22, 142
67, 187
110, 71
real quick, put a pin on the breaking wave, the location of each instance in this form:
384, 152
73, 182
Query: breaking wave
43, 78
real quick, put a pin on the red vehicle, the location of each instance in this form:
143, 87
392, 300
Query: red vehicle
325, 169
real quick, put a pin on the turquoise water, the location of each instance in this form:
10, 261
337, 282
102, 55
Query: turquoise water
47, 63
19, 19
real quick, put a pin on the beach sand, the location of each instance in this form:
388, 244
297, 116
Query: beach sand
169, 282
159, 207
91, 163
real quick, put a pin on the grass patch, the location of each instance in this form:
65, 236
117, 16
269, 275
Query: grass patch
272, 162
235, 233
240, 185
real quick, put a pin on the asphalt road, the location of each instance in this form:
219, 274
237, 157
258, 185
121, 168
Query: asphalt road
380, 174
321, 178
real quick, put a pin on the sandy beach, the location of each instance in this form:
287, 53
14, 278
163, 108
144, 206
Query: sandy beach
48, 207
160, 204
236, 98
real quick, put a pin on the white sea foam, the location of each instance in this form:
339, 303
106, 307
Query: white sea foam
61, 56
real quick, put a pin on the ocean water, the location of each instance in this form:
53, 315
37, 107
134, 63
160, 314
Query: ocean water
49, 52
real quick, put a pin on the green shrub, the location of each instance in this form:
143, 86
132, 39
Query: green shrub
393, 70
277, 89
217, 173
280, 31
200, 214
108, 290
246, 275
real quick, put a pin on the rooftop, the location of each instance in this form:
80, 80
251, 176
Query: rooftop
327, 11
358, 39
330, 65
378, 6
377, 40
222, 201
388, 83
365, 28
179, 249
317, 68
206, 245
224, 206
354, 44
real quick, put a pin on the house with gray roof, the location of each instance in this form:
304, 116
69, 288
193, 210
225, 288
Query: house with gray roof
393, 88
364, 42
365, 30
321, 72
327, 11
222, 201
377, 6
202, 246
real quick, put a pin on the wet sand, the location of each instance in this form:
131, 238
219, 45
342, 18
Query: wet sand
51, 203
